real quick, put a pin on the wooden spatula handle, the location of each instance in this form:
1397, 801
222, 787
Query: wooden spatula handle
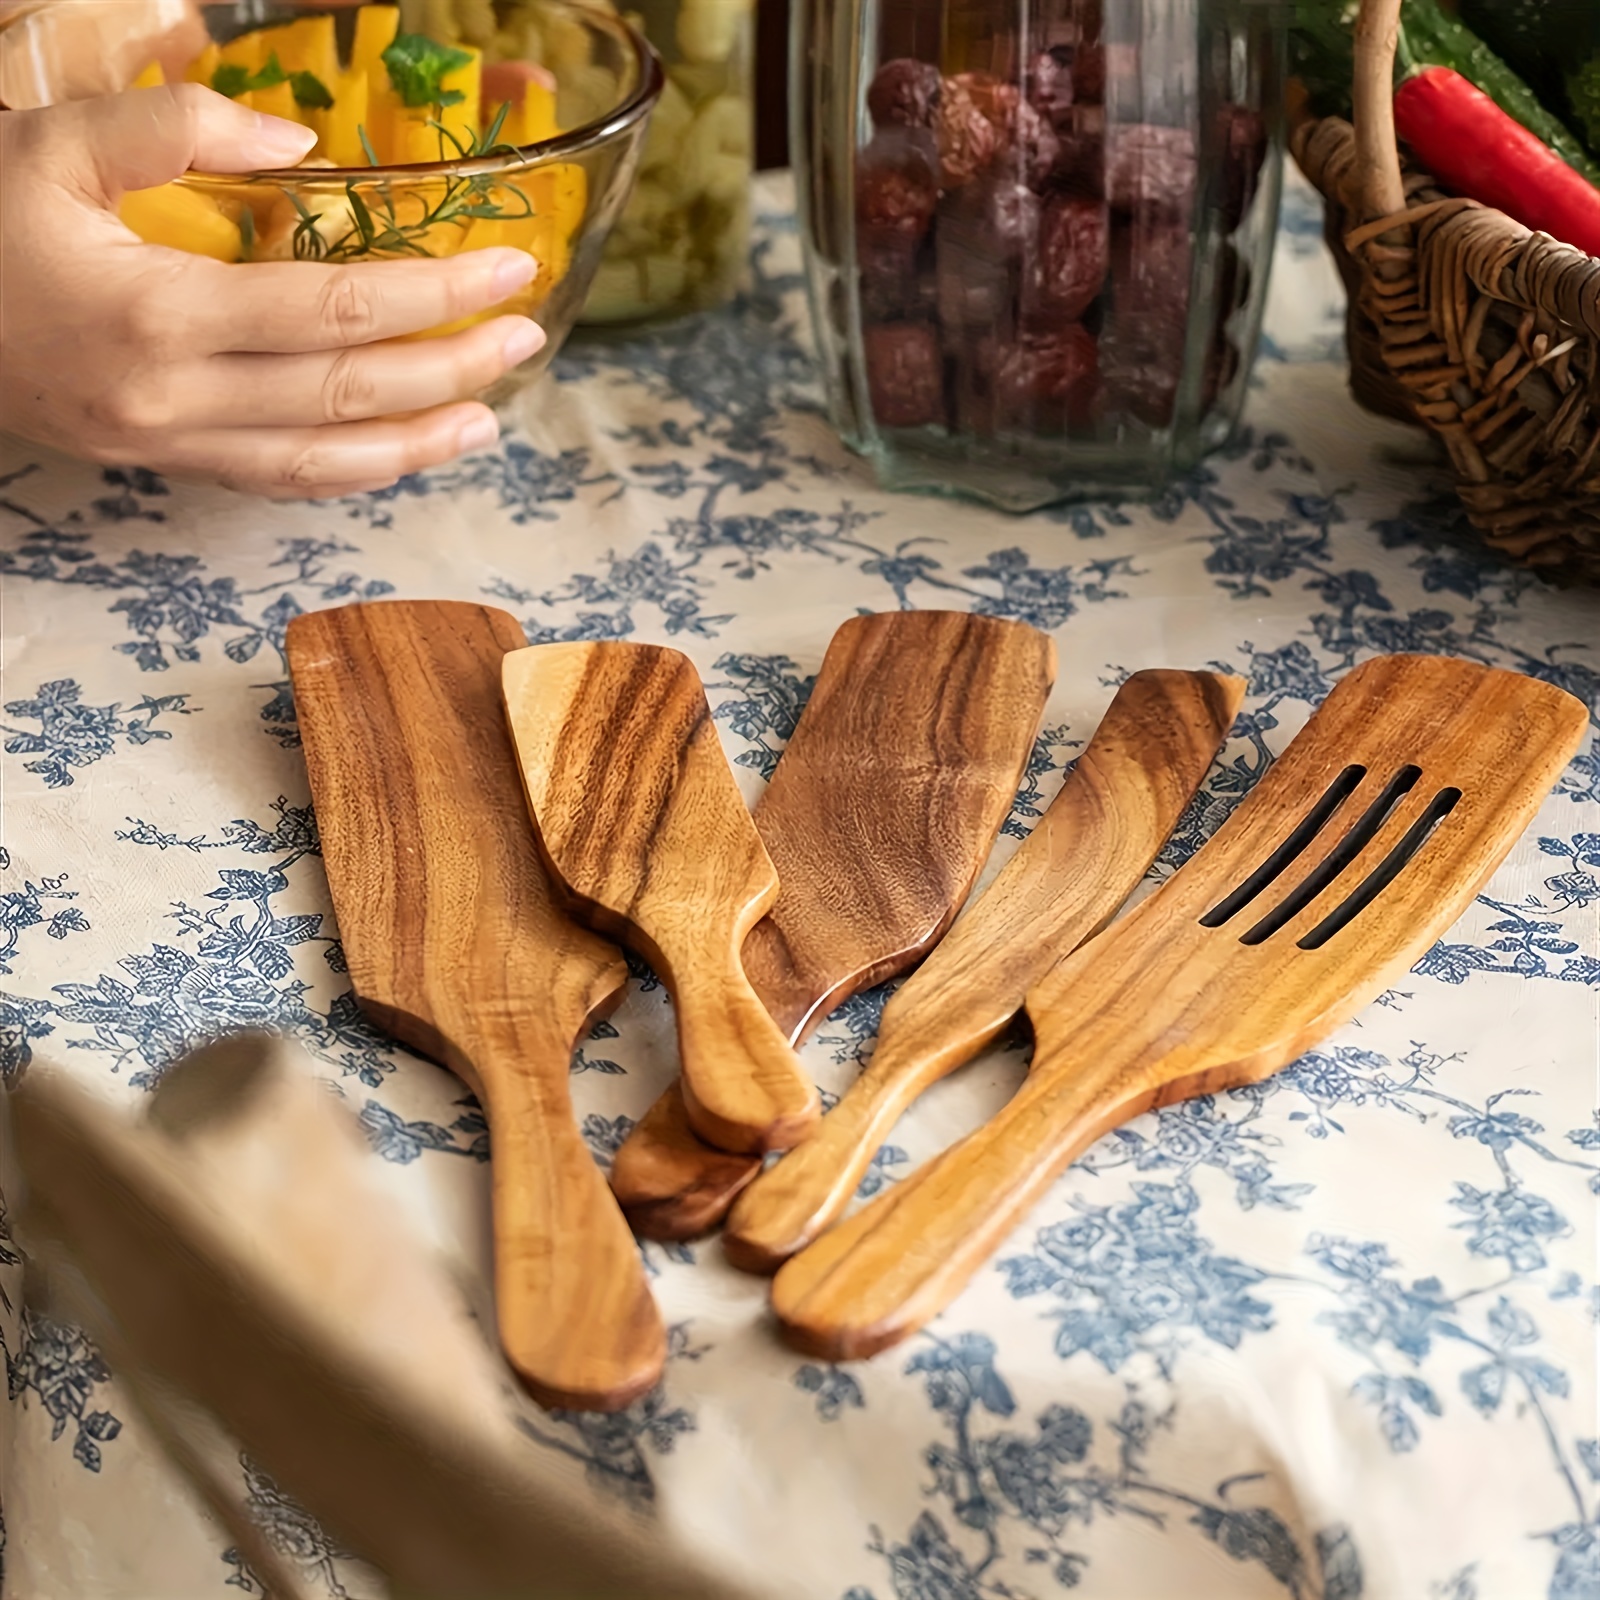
670, 1183
878, 818
793, 1202
576, 1316
881, 1274
744, 1089
1068, 879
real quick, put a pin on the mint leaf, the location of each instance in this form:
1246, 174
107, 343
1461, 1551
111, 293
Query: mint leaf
309, 90
271, 75
416, 64
233, 80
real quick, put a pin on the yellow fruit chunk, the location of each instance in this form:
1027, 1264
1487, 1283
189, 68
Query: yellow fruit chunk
560, 195
174, 216
273, 42
309, 45
151, 78
385, 117
204, 66
249, 51
340, 138
376, 27
411, 138
516, 233
278, 101
460, 121
538, 115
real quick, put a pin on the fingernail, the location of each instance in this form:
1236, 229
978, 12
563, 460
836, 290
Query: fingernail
512, 271
523, 339
281, 140
478, 434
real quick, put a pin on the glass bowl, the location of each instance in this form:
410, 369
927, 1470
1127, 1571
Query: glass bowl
549, 175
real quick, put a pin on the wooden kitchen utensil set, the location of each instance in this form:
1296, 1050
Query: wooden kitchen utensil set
433, 735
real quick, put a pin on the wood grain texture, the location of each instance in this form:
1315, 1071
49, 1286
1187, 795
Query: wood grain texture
878, 818
1067, 880
641, 824
458, 948
1163, 1007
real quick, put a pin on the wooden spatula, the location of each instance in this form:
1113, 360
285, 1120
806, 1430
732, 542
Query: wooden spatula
1066, 881
878, 819
456, 947
1368, 838
641, 823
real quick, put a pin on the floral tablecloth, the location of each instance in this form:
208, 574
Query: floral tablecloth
1334, 1336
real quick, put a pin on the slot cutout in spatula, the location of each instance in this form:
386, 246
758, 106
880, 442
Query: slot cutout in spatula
1172, 1002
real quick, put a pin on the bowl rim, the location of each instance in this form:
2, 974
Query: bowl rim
621, 117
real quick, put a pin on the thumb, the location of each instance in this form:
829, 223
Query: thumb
150, 136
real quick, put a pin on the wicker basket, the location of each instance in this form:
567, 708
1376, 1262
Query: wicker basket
1466, 322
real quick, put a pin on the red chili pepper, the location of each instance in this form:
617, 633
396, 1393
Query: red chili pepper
1474, 149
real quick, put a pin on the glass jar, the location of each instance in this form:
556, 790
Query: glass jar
682, 242
1037, 233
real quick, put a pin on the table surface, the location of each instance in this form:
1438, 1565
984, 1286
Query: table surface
1329, 1337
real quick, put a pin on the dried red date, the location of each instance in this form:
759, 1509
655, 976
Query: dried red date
897, 184
1069, 266
995, 99
1149, 167
1244, 153
1034, 146
1081, 154
994, 217
1143, 349
905, 93
974, 289
1139, 380
1050, 86
1024, 141
905, 374
1150, 266
967, 138
889, 278
982, 231
1089, 73
1051, 375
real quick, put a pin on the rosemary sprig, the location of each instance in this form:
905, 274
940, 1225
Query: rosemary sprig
376, 226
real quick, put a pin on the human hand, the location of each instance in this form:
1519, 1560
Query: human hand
271, 378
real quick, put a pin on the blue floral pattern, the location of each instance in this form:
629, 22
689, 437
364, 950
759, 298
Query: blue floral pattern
1236, 1335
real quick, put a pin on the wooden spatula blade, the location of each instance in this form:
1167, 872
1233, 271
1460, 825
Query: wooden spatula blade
1177, 1000
878, 819
457, 947
1082, 860
642, 826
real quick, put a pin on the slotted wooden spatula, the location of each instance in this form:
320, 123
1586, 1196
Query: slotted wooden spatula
1085, 856
878, 819
457, 947
641, 823
1366, 840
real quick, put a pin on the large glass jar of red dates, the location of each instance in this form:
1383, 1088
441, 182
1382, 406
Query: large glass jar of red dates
1037, 232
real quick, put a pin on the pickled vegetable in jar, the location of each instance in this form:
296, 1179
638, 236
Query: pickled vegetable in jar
682, 241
